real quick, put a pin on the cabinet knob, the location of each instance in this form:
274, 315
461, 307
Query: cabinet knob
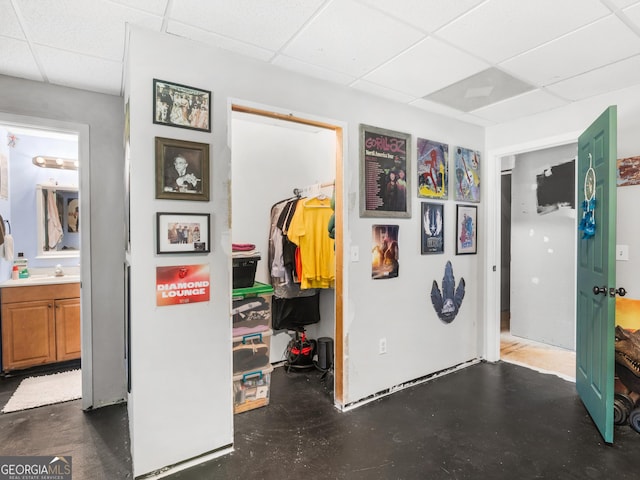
50, 305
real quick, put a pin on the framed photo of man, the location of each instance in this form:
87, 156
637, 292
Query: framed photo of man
181, 106
182, 169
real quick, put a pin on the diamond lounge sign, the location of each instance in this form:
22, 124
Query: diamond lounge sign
35, 468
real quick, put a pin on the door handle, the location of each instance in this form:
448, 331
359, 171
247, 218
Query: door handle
598, 290
620, 291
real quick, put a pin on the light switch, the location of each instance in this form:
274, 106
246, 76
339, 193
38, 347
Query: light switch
622, 252
355, 254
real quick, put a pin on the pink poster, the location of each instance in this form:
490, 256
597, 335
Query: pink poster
182, 284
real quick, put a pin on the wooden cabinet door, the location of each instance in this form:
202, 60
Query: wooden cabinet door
68, 329
28, 334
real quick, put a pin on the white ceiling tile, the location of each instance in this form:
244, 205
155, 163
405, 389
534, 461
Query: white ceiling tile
623, 3
217, 41
16, 60
269, 24
419, 70
351, 38
633, 13
10, 26
500, 29
427, 15
157, 7
440, 109
312, 70
382, 91
598, 44
612, 77
93, 28
89, 73
526, 104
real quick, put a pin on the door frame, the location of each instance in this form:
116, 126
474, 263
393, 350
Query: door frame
490, 341
84, 189
340, 282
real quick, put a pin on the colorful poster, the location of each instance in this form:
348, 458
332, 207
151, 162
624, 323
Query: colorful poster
181, 284
467, 180
628, 171
466, 229
384, 174
385, 253
432, 228
433, 169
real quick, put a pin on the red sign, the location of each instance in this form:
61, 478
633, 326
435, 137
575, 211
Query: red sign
182, 284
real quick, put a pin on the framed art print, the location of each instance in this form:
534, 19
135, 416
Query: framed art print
467, 175
385, 177
432, 232
181, 106
433, 169
182, 232
466, 229
182, 169
385, 252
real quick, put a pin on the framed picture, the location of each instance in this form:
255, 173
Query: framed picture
432, 236
385, 176
386, 254
182, 169
433, 169
182, 232
181, 106
466, 229
467, 175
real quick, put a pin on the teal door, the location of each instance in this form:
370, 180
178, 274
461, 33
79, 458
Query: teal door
596, 272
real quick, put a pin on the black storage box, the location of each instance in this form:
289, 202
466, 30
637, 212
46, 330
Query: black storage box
244, 271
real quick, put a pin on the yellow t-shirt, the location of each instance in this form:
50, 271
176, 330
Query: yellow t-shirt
308, 230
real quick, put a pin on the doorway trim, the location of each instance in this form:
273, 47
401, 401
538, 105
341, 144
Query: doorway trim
243, 107
82, 130
492, 275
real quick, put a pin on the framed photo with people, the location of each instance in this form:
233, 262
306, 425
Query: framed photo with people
466, 230
181, 106
182, 169
182, 232
385, 177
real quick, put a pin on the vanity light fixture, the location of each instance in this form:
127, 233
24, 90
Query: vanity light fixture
56, 162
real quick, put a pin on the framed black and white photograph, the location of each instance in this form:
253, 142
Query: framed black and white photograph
181, 106
466, 229
385, 177
182, 169
182, 232
432, 232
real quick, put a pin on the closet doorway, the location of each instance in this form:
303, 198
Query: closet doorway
272, 155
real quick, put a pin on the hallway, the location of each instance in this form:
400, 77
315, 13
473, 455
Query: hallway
497, 421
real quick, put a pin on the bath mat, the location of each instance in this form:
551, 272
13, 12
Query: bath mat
45, 390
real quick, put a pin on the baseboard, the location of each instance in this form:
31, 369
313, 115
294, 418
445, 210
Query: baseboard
192, 462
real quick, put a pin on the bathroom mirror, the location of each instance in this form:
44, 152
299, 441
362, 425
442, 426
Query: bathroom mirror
58, 217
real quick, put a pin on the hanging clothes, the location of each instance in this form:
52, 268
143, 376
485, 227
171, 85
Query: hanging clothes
54, 226
308, 230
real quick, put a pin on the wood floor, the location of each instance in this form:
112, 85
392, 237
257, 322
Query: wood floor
539, 356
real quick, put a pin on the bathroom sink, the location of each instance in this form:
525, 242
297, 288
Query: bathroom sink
42, 279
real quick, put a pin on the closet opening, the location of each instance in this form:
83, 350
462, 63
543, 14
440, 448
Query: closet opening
283, 164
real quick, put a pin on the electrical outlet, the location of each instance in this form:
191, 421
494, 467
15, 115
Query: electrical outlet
382, 347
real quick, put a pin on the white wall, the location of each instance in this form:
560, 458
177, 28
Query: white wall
543, 252
5, 204
191, 344
105, 121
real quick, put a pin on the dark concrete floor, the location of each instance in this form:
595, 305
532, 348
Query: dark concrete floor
488, 421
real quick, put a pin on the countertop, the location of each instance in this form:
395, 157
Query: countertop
44, 277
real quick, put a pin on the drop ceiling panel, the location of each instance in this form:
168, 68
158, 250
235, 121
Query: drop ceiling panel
92, 28
351, 38
16, 60
269, 24
426, 15
596, 45
500, 29
623, 3
90, 73
434, 107
296, 65
157, 7
612, 77
528, 103
382, 91
421, 69
218, 41
10, 27
633, 13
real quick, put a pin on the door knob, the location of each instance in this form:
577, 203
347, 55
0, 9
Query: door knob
620, 291
597, 290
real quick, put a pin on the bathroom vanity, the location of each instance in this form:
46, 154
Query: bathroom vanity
40, 321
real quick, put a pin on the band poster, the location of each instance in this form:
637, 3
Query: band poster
384, 173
